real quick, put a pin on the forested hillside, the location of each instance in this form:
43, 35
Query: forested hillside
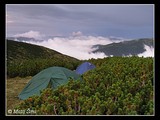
132, 47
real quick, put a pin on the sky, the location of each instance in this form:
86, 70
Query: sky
127, 21
74, 29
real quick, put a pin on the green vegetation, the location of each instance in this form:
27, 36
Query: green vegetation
117, 86
132, 47
25, 59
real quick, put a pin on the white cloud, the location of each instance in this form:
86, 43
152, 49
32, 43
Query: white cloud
77, 45
148, 53
31, 34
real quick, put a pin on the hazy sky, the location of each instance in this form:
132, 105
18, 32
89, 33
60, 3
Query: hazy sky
126, 21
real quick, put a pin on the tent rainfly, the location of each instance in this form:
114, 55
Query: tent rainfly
53, 76
84, 67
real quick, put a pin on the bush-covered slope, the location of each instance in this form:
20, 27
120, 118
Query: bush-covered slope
25, 59
117, 86
23, 51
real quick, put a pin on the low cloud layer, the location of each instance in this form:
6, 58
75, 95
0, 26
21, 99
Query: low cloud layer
148, 53
78, 45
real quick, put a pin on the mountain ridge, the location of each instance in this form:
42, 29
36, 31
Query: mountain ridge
21, 50
131, 47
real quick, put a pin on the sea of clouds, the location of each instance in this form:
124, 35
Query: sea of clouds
77, 45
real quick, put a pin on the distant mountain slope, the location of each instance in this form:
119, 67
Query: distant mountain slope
23, 51
132, 47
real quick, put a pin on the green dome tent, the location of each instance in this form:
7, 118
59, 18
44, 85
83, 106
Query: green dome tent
53, 76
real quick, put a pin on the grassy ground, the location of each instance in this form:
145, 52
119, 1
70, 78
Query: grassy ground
13, 87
